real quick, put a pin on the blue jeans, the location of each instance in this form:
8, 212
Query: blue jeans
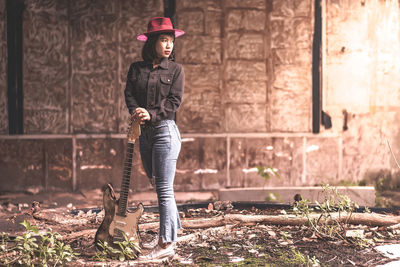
160, 145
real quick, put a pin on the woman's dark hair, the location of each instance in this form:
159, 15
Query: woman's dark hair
149, 49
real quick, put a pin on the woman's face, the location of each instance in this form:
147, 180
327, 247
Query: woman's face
164, 46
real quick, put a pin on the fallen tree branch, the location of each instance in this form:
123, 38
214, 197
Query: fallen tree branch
370, 219
74, 235
394, 227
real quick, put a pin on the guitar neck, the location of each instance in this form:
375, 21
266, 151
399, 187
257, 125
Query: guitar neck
123, 199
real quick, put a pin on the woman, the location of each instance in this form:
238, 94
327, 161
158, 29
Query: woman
153, 94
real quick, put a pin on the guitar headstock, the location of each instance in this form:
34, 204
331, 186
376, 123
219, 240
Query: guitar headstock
133, 130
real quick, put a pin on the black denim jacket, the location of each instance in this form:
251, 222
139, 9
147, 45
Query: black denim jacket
158, 90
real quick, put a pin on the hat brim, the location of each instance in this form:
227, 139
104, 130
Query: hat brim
143, 37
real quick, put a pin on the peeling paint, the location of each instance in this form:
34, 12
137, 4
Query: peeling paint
250, 170
201, 171
182, 171
113, 152
312, 148
187, 140
282, 155
92, 167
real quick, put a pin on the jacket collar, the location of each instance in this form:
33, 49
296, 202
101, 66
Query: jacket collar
164, 63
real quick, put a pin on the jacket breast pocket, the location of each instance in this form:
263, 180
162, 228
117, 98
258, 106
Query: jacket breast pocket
165, 84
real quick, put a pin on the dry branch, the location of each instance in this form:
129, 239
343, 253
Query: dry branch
394, 227
88, 232
370, 219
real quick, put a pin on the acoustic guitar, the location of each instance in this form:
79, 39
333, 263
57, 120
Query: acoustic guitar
117, 220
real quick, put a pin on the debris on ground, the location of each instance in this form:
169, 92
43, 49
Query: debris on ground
221, 235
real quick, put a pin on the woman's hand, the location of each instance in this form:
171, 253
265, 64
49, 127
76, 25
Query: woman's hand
141, 115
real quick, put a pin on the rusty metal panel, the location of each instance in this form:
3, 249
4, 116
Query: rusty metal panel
21, 164
46, 71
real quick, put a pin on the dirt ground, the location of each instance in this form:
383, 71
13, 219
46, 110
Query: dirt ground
77, 216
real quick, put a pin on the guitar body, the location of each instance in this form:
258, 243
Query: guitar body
114, 226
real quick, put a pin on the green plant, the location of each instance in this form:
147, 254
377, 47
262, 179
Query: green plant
34, 248
273, 197
266, 172
295, 258
127, 250
326, 225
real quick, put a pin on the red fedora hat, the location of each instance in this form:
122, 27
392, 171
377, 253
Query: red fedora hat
159, 25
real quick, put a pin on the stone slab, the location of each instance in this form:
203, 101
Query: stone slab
245, 20
362, 195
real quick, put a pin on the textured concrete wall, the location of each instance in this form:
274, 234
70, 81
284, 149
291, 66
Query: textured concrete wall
248, 71
46, 67
76, 56
3, 69
257, 56
31, 163
78, 86
247, 100
362, 76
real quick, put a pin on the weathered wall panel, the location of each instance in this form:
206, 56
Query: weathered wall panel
45, 66
213, 163
200, 52
101, 161
188, 163
245, 67
322, 160
3, 69
373, 132
21, 165
94, 64
290, 92
58, 162
361, 90
248, 71
37, 164
201, 109
284, 154
94, 105
202, 164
